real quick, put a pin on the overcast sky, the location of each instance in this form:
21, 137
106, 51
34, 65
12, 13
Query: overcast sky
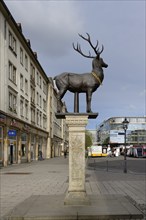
52, 27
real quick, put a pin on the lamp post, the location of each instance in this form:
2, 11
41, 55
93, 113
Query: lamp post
125, 126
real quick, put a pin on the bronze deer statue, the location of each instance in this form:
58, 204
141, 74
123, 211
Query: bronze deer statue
85, 82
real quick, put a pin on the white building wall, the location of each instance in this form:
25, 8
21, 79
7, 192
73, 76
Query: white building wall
15, 120
7, 85
40, 134
3, 64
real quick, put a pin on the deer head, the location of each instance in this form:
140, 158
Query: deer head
95, 48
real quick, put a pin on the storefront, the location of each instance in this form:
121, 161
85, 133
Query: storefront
20, 142
32, 148
24, 147
44, 147
2, 128
57, 146
40, 151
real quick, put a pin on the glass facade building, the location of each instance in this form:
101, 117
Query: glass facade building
111, 131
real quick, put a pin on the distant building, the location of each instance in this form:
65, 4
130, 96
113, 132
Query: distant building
57, 127
111, 131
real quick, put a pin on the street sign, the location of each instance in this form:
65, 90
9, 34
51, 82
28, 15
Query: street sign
12, 133
116, 136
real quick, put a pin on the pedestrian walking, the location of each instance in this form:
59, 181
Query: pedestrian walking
40, 157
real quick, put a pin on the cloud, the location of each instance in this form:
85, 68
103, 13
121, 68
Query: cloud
51, 25
143, 93
131, 107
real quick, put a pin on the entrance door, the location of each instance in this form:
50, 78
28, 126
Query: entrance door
11, 154
23, 153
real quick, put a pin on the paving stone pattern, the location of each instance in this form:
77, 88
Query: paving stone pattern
50, 177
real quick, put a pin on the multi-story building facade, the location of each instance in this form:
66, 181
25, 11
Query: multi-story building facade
111, 131
26, 100
58, 128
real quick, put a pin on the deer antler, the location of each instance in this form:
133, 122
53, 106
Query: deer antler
78, 49
96, 50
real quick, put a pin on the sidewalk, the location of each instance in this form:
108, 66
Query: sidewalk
50, 177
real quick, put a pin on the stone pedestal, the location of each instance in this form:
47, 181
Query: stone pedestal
76, 194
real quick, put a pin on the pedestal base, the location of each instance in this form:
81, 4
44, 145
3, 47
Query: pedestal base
76, 199
76, 195
105, 207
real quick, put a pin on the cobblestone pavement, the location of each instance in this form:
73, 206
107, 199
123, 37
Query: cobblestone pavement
50, 177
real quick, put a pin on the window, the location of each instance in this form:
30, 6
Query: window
26, 110
10, 40
21, 82
40, 82
33, 115
12, 72
32, 94
32, 72
21, 55
40, 119
44, 105
40, 101
12, 102
12, 43
141, 120
37, 98
44, 87
44, 121
37, 78
21, 108
26, 62
37, 117
26, 86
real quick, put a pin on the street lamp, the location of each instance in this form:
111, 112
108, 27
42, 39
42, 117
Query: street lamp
125, 126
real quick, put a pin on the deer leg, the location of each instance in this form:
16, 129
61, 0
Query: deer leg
60, 95
76, 102
88, 101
